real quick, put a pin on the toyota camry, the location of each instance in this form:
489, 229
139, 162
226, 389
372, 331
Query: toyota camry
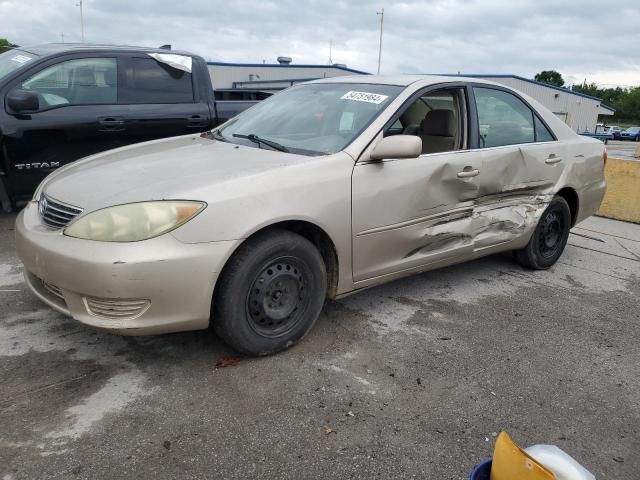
318, 192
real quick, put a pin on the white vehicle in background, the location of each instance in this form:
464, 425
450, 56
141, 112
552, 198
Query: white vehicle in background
614, 130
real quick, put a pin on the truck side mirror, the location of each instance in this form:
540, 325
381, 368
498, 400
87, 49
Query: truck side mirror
21, 101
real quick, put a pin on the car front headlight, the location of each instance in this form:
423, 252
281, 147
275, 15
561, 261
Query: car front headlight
134, 221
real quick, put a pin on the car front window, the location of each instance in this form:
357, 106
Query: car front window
12, 60
311, 119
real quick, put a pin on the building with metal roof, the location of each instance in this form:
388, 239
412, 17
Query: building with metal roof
271, 77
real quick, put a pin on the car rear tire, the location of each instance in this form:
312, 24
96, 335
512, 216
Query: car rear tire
270, 294
549, 238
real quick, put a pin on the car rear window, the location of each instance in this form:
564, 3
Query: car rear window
149, 81
503, 119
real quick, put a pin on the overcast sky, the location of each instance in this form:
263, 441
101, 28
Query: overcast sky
580, 38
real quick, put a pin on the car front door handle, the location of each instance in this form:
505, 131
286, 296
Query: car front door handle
552, 159
468, 173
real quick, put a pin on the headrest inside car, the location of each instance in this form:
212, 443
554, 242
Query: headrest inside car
440, 123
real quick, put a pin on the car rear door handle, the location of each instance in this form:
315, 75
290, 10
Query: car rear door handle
553, 159
468, 173
111, 124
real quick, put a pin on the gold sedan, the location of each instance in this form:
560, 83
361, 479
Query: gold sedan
322, 190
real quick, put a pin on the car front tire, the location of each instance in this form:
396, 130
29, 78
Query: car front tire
549, 238
270, 294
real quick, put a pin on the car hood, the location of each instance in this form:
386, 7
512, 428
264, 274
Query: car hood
186, 167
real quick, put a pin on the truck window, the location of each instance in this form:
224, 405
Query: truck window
150, 81
84, 81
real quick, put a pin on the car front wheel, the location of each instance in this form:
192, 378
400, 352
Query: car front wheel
270, 294
549, 238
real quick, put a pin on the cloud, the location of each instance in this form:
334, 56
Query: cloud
581, 39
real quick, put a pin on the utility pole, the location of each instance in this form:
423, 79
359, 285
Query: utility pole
330, 47
381, 13
79, 4
62, 37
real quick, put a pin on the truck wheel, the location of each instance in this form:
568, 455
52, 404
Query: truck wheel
270, 293
549, 238
6, 204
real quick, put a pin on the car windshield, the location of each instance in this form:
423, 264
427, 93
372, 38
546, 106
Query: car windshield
633, 129
311, 119
12, 60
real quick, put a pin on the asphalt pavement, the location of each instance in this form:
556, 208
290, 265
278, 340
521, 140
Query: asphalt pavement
413, 379
624, 150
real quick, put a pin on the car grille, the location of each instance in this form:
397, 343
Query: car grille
53, 290
116, 309
56, 214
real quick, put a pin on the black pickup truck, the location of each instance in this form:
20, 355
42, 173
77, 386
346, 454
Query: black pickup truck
62, 102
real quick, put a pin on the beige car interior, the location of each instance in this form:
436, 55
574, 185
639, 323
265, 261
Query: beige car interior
437, 118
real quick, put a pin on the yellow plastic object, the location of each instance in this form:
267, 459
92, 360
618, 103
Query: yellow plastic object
510, 462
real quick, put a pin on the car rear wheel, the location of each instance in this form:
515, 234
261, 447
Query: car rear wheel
270, 294
549, 238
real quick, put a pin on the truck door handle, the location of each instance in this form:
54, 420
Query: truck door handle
196, 121
553, 159
111, 124
468, 172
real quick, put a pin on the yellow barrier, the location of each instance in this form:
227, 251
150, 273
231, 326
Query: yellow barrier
622, 200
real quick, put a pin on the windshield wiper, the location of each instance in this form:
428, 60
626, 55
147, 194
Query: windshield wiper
256, 139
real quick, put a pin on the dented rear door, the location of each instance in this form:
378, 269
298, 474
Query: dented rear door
515, 186
521, 165
411, 213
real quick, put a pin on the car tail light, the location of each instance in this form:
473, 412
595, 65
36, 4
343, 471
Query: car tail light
605, 156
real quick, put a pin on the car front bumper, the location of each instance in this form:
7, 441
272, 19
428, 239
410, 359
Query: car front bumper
154, 286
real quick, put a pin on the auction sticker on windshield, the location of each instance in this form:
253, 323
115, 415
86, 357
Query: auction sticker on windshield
364, 97
21, 58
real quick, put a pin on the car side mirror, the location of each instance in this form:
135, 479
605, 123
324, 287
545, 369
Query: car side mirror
397, 146
20, 101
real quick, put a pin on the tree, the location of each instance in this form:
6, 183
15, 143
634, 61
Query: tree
4, 42
629, 104
590, 89
550, 77
626, 101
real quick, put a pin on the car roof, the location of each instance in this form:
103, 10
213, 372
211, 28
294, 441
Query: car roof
55, 48
401, 80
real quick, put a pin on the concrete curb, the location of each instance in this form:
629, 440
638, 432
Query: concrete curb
622, 200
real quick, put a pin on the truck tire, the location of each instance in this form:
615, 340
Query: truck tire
5, 200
